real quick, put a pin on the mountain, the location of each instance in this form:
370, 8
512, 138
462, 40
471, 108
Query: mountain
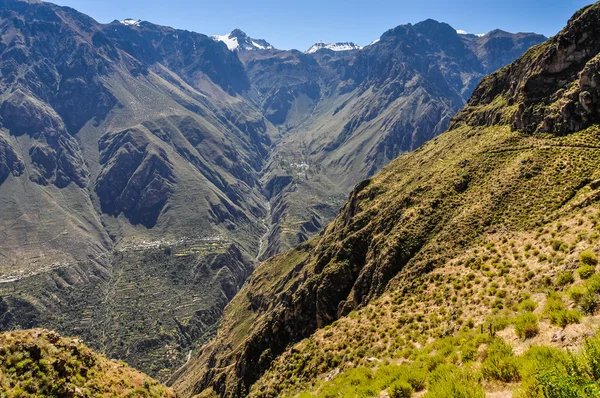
130, 170
342, 116
145, 171
469, 264
348, 46
239, 41
42, 363
498, 48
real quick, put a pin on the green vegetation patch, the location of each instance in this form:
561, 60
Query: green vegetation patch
40, 363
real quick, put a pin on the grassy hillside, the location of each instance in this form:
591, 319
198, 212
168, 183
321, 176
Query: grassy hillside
536, 289
40, 363
486, 234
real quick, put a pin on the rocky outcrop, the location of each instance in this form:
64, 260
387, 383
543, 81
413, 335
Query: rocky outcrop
56, 155
23, 114
137, 179
52, 67
10, 164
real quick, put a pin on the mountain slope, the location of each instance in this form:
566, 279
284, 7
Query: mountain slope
130, 180
42, 363
145, 170
404, 233
342, 116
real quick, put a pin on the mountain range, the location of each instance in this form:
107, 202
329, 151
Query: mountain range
467, 267
145, 171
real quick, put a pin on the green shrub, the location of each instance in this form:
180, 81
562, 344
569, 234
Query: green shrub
576, 293
565, 278
574, 376
400, 389
558, 245
452, 381
499, 322
588, 258
527, 305
468, 353
539, 358
557, 313
416, 377
588, 304
556, 385
499, 363
586, 271
593, 283
565, 317
526, 325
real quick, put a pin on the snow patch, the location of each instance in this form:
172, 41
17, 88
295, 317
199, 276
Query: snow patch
463, 32
131, 22
238, 40
333, 47
230, 42
255, 44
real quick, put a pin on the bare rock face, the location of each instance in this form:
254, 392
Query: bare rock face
137, 179
56, 156
23, 114
554, 88
10, 164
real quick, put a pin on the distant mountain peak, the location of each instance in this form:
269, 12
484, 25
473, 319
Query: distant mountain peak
237, 40
346, 46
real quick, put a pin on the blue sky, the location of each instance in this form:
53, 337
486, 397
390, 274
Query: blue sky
299, 24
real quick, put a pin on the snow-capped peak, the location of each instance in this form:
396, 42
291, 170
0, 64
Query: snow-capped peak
333, 47
463, 32
131, 22
238, 40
